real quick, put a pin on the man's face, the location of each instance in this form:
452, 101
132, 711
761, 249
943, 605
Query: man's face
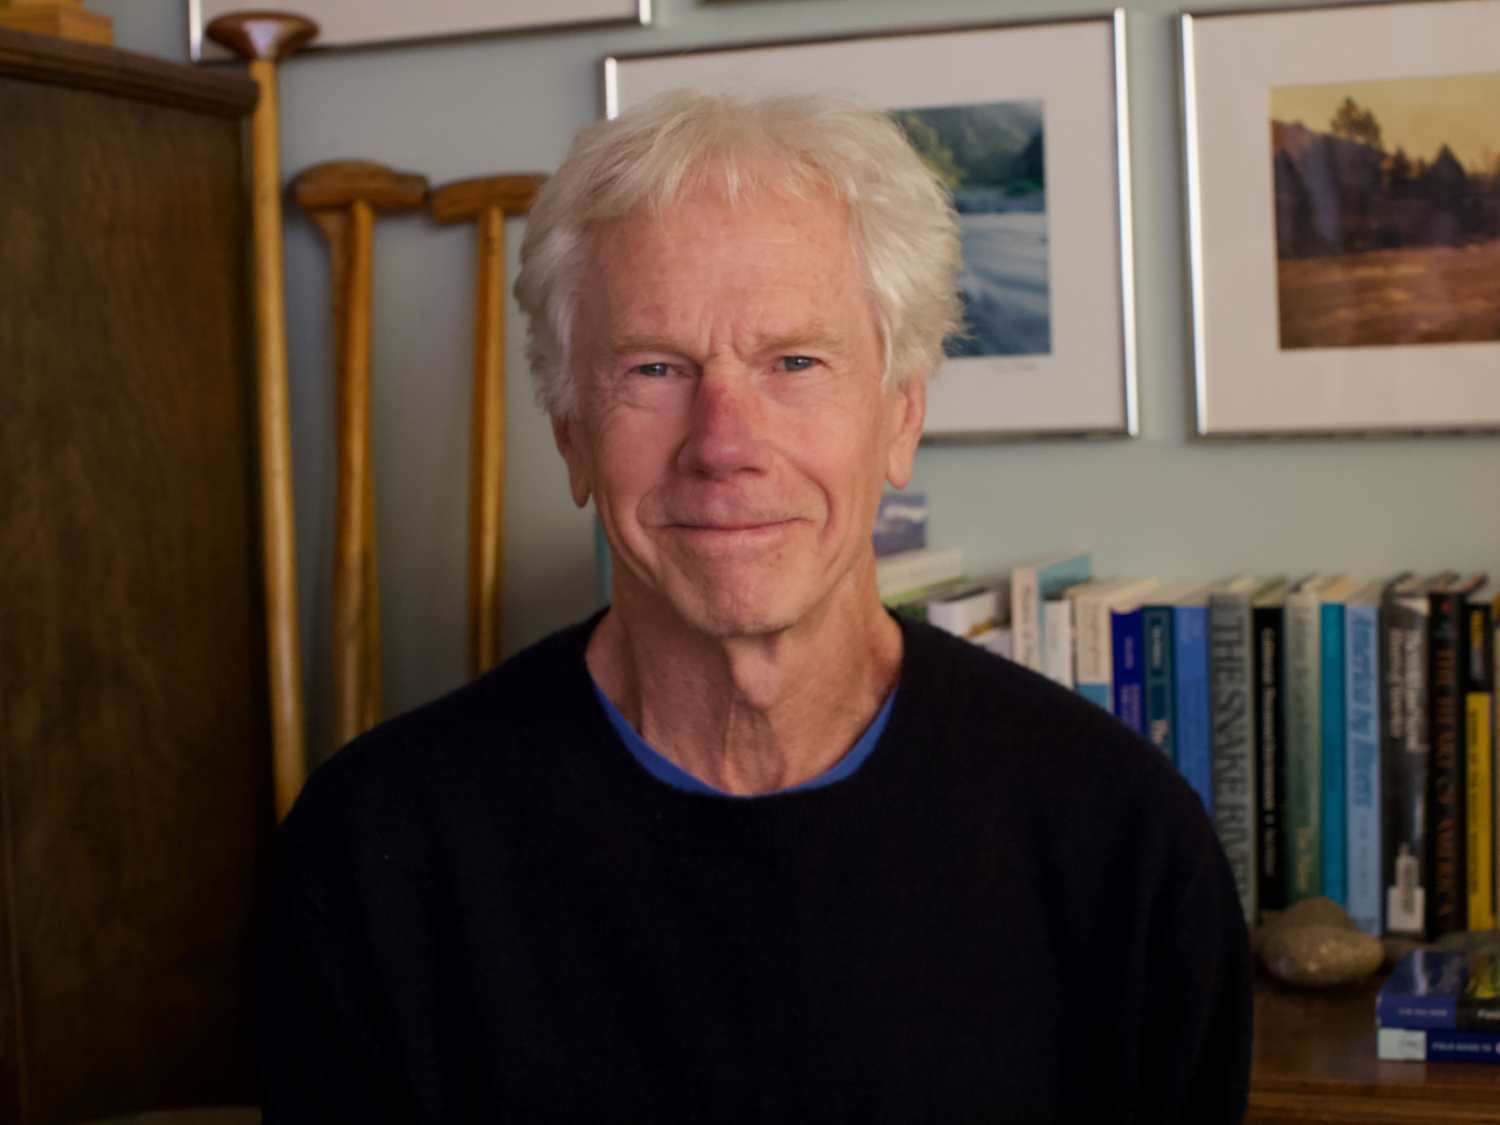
731, 423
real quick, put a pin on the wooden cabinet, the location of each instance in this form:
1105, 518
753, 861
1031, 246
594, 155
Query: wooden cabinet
1315, 1061
135, 799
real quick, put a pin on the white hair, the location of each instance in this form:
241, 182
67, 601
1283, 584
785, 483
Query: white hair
901, 224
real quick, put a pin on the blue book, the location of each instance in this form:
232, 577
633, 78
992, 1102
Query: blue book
1405, 1044
1362, 740
1156, 636
1129, 667
1423, 990
1333, 793
1193, 734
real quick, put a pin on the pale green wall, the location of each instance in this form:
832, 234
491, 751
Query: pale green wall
1157, 505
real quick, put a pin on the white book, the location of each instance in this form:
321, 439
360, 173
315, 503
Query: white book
970, 612
1092, 630
1057, 628
906, 571
1032, 581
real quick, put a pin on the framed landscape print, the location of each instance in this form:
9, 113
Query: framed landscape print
1024, 123
1344, 217
360, 23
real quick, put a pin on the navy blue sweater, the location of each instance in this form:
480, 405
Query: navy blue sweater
486, 910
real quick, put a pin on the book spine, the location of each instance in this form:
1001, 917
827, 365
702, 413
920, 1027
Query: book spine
1129, 670
1301, 691
1447, 905
1231, 731
1024, 607
1190, 700
1406, 1044
1333, 789
1095, 660
1270, 764
1479, 760
1362, 750
1403, 765
1402, 1009
1156, 638
1057, 628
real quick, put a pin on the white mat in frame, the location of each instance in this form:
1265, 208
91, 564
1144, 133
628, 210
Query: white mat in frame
1086, 384
1246, 383
349, 23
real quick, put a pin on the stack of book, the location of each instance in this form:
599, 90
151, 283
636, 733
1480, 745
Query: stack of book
1341, 733
1440, 1006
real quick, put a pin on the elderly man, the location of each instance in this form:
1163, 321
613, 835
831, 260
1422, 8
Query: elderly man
744, 847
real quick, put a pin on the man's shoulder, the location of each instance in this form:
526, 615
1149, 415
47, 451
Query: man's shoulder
499, 726
1025, 734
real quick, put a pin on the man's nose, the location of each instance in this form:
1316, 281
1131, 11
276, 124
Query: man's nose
725, 427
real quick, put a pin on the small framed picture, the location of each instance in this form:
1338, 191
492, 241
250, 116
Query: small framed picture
361, 23
1344, 217
1025, 124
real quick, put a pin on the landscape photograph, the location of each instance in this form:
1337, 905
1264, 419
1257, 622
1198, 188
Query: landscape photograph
1387, 200
990, 157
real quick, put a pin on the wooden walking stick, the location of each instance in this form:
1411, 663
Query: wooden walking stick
342, 198
264, 38
487, 201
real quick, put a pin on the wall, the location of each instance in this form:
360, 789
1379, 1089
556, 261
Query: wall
1159, 504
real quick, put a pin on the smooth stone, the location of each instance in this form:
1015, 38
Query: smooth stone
1319, 911
1321, 956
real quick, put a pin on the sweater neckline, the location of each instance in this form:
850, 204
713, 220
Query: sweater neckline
615, 784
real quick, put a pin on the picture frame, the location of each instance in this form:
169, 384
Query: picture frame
1341, 264
371, 23
1045, 213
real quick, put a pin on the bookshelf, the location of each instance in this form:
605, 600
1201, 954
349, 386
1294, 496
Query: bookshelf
1314, 1060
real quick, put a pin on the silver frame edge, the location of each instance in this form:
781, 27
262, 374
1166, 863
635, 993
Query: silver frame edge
1194, 222
1127, 236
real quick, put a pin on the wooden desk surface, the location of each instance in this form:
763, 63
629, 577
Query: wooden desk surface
1315, 1061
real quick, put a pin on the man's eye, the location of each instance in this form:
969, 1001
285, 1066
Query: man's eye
796, 362
654, 370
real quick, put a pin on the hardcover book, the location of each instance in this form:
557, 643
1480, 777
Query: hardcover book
1192, 735
1362, 743
1032, 582
1405, 753
1400, 1044
1479, 735
1302, 700
1332, 788
1093, 634
1443, 990
1447, 838
1158, 629
1423, 990
1232, 735
1126, 640
898, 576
1267, 615
1057, 639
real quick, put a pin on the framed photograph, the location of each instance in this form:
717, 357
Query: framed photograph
1344, 217
365, 23
1026, 123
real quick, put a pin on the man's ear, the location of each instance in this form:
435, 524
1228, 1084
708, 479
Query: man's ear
580, 479
908, 406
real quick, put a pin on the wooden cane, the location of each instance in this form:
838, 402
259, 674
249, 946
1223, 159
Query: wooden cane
342, 197
264, 38
487, 201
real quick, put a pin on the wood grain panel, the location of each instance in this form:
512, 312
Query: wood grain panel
134, 743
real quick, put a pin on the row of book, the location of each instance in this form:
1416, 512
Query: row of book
1341, 733
1440, 1006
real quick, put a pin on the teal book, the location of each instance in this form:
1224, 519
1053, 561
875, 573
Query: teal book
1335, 832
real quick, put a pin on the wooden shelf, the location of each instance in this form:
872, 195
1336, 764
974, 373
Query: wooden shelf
1315, 1060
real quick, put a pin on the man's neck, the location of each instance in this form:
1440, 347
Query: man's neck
750, 715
